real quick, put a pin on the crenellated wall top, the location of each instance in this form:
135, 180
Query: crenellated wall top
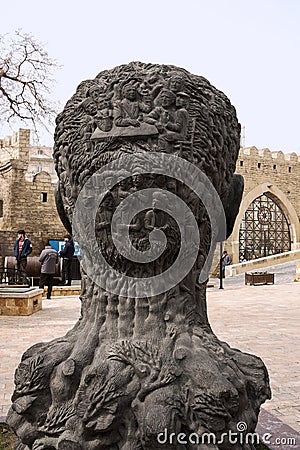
267, 155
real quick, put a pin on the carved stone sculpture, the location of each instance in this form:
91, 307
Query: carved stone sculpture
142, 363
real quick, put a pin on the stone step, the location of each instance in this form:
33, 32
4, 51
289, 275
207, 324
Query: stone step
59, 291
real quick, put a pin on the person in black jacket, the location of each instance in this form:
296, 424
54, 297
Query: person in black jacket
22, 249
67, 255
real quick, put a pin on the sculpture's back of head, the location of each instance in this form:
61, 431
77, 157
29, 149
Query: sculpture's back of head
143, 174
88, 138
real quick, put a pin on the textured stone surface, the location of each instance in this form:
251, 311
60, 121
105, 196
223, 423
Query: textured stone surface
136, 365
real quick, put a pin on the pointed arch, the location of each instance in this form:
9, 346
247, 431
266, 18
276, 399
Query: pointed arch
283, 202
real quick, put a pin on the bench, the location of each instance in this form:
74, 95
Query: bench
258, 278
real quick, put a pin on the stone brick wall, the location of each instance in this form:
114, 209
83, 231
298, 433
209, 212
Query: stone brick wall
275, 173
28, 199
7, 240
15, 147
6, 178
277, 168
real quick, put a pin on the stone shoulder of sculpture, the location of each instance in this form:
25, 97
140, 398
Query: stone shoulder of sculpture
132, 368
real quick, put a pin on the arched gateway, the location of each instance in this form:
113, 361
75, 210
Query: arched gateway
267, 223
264, 229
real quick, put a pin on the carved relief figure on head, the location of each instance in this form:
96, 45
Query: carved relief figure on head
127, 112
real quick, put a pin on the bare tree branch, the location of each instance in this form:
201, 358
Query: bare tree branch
26, 72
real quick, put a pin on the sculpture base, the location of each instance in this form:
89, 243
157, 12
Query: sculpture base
90, 391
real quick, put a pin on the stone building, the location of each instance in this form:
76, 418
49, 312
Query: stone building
268, 219
27, 196
267, 223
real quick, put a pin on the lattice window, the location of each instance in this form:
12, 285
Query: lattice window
264, 229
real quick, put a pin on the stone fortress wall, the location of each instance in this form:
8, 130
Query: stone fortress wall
277, 174
27, 196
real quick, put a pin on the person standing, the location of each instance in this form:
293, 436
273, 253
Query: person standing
48, 259
22, 249
226, 261
67, 255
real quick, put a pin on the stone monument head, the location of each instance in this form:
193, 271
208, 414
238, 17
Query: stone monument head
211, 140
147, 187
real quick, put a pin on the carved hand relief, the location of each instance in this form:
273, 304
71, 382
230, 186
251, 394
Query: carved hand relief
145, 156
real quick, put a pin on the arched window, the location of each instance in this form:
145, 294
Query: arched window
264, 229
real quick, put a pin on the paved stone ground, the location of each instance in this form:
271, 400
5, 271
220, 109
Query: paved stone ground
19, 333
257, 319
264, 320
272, 332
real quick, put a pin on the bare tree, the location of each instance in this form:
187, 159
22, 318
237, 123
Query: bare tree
26, 72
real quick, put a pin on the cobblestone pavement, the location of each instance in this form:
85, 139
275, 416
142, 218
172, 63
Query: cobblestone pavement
263, 320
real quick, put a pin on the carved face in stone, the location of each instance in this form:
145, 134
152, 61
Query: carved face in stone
137, 180
157, 198
166, 98
124, 183
90, 108
130, 92
182, 100
94, 93
176, 83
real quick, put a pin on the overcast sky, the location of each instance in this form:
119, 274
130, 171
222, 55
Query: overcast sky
249, 49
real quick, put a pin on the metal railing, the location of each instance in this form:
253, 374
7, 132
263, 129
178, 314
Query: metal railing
12, 277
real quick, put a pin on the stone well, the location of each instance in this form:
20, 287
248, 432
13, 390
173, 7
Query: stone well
20, 301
